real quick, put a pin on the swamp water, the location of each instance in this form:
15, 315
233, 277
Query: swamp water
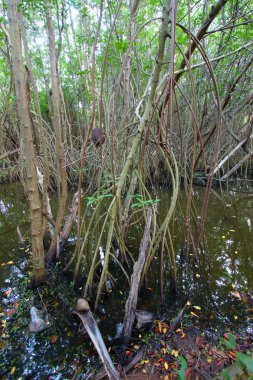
60, 352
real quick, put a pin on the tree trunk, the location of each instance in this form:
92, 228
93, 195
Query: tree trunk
61, 171
27, 144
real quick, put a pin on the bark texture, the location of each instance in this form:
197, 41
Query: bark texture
27, 144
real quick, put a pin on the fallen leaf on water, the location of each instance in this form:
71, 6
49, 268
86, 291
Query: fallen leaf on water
183, 335
128, 353
197, 307
195, 315
54, 339
166, 365
197, 275
144, 371
166, 377
136, 347
13, 370
8, 291
10, 312
165, 329
3, 345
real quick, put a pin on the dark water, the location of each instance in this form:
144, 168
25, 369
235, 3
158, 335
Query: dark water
60, 352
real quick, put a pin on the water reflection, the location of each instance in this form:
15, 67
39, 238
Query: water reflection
225, 258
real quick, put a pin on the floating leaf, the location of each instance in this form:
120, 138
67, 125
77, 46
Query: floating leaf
54, 339
166, 365
197, 275
13, 370
197, 307
166, 377
3, 345
136, 347
195, 315
10, 312
175, 353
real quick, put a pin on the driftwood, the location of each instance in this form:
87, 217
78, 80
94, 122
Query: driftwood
179, 317
131, 303
85, 315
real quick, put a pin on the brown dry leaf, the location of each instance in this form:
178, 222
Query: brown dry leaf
54, 339
175, 353
159, 326
183, 335
3, 345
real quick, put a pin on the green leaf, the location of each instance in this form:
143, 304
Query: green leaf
225, 374
247, 361
232, 340
181, 371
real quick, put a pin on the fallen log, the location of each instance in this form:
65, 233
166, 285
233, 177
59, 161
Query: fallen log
83, 312
131, 303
